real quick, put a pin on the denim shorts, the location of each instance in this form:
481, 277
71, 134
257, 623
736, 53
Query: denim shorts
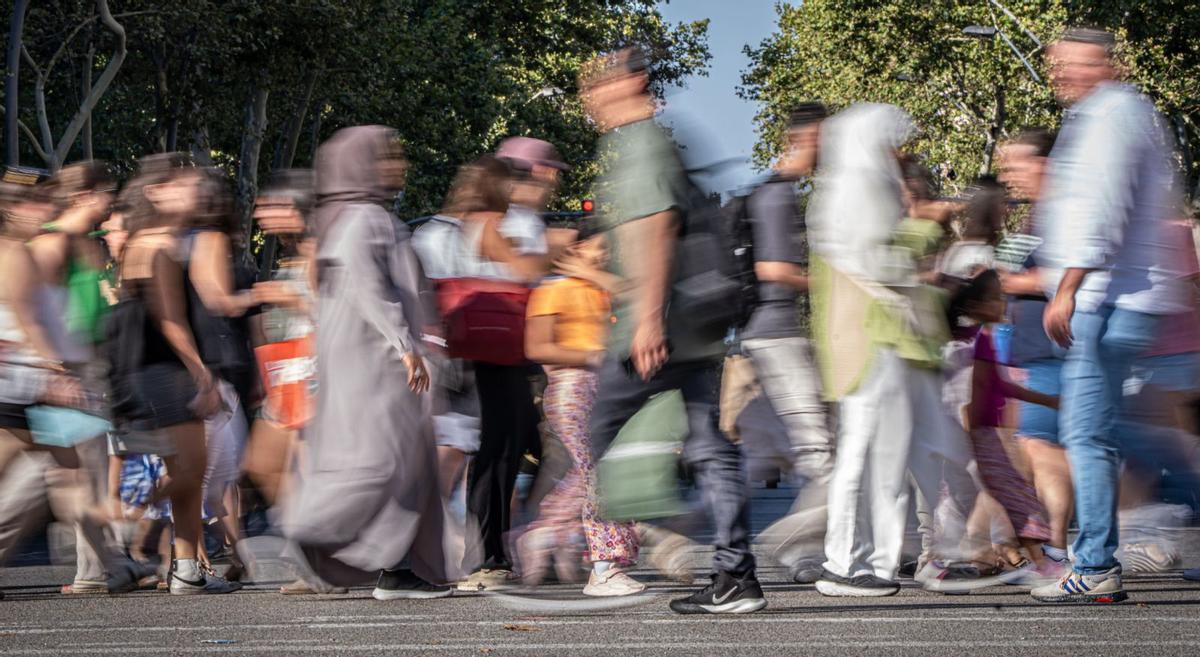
1038, 421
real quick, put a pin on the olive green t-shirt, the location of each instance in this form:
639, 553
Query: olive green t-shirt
643, 176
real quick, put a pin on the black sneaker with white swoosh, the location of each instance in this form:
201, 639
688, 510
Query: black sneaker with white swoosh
726, 594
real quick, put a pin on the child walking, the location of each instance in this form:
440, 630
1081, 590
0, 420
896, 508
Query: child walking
565, 333
980, 303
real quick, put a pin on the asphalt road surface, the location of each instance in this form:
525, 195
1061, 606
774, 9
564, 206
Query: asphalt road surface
1161, 618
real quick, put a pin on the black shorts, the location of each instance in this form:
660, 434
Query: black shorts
163, 393
12, 416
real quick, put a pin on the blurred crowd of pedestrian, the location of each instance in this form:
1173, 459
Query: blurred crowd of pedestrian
483, 401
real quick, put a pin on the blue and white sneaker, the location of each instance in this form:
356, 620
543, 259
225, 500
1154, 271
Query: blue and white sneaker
1101, 588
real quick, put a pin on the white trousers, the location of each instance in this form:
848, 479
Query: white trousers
892, 424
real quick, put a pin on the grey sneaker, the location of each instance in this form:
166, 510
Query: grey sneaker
806, 571
859, 586
405, 585
1101, 588
1153, 557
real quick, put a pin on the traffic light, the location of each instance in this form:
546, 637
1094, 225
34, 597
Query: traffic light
588, 206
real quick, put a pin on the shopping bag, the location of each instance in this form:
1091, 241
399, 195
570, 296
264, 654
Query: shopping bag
288, 369
63, 427
638, 478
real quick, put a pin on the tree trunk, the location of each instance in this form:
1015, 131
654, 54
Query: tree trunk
285, 157
39, 104
252, 139
160, 98
85, 85
12, 67
297, 125
280, 144
93, 96
316, 137
201, 148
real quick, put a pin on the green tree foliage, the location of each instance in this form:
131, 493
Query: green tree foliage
914, 54
453, 76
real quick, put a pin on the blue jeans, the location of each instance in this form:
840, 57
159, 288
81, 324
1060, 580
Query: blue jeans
1106, 344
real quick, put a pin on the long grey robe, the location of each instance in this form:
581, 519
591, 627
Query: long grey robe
369, 494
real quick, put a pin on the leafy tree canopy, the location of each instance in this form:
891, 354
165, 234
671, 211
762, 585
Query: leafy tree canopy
453, 76
914, 54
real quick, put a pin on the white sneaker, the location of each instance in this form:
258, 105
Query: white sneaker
1103, 588
208, 583
612, 583
487, 580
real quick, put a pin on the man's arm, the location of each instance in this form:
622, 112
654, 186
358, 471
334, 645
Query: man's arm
784, 273
648, 250
1057, 317
497, 248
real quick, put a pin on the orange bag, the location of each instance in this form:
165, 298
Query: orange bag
288, 370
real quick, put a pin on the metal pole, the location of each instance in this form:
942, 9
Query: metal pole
1028, 67
994, 132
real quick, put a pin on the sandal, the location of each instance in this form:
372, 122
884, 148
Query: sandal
84, 587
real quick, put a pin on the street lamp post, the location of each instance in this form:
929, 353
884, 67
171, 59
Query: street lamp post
987, 33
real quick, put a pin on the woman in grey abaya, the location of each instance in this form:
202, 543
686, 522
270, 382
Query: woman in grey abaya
368, 501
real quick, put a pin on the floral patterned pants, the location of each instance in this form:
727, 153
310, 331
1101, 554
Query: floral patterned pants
568, 404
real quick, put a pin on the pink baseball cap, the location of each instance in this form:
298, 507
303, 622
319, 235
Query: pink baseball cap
525, 152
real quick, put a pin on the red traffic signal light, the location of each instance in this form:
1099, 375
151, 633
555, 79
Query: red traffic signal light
588, 205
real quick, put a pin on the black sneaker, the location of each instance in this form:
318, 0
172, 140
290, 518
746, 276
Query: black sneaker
727, 594
405, 585
859, 586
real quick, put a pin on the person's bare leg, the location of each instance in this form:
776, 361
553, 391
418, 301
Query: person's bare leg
451, 462
268, 457
977, 544
1033, 549
231, 532
12, 443
72, 500
116, 465
186, 467
1052, 480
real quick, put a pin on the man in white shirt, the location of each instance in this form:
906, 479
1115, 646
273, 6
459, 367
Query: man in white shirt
1109, 268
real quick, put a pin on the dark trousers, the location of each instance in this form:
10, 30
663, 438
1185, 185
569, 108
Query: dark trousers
508, 426
716, 461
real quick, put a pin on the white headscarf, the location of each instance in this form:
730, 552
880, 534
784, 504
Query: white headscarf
857, 201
